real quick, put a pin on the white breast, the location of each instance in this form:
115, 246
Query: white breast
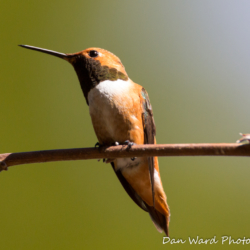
107, 90
107, 102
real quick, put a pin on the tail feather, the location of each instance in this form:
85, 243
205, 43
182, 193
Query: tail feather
160, 221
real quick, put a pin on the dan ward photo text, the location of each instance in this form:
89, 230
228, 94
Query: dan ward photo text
197, 240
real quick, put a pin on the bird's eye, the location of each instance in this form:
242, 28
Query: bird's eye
93, 53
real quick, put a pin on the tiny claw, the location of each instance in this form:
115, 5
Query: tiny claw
97, 145
129, 143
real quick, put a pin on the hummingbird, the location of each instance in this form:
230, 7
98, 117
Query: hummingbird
121, 113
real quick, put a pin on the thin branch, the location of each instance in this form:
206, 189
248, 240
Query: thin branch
204, 149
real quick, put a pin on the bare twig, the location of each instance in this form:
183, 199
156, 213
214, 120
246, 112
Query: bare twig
204, 149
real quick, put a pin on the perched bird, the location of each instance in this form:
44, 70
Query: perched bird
121, 113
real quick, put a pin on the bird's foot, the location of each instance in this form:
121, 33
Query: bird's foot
99, 145
108, 160
129, 144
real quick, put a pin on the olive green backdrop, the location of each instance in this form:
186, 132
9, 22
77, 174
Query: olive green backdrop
193, 58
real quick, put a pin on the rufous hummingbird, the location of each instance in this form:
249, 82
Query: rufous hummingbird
121, 112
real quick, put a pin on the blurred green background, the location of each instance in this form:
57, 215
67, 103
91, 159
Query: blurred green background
193, 58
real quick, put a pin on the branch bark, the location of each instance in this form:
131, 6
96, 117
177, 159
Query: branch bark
203, 149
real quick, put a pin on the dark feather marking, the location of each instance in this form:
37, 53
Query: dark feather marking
149, 134
90, 73
131, 192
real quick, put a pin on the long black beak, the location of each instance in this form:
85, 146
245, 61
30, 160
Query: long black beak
66, 57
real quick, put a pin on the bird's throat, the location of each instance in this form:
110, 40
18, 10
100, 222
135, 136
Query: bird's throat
90, 73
